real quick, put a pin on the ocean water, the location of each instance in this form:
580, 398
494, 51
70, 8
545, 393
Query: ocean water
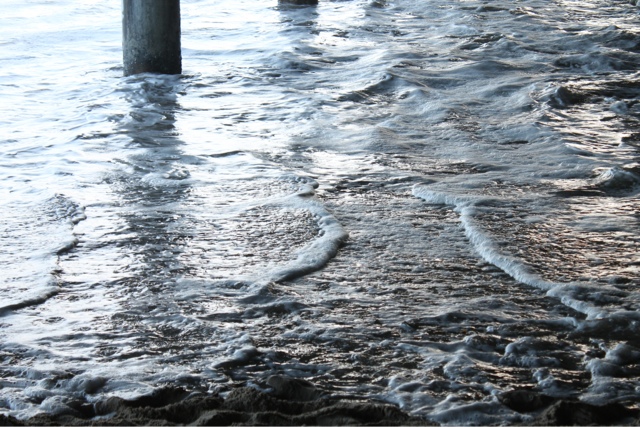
428, 203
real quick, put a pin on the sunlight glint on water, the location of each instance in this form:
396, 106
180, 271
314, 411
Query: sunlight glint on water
427, 203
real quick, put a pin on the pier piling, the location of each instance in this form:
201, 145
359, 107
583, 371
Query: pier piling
151, 37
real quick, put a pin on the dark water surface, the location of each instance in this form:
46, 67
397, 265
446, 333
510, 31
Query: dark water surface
429, 203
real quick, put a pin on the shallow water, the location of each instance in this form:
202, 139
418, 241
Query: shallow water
426, 203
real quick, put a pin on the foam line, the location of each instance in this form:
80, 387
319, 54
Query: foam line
28, 302
321, 250
466, 206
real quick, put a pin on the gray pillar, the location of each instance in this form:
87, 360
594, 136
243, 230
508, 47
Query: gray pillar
302, 2
151, 37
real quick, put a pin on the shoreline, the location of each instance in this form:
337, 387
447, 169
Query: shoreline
242, 406
298, 402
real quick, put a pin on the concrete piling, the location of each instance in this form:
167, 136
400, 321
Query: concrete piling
151, 37
302, 2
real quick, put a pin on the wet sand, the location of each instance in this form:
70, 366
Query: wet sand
290, 402
298, 402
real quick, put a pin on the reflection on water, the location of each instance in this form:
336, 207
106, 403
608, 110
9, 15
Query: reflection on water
428, 204
154, 184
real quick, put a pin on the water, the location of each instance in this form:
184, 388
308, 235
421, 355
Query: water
426, 203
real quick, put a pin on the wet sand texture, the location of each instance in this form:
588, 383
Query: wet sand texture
293, 402
298, 402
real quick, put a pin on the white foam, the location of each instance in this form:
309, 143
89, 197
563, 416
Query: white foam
452, 411
317, 253
570, 294
482, 242
46, 227
619, 107
617, 179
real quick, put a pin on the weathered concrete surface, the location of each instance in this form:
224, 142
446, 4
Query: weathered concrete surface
151, 37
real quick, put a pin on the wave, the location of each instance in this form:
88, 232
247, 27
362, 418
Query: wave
30, 276
595, 301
